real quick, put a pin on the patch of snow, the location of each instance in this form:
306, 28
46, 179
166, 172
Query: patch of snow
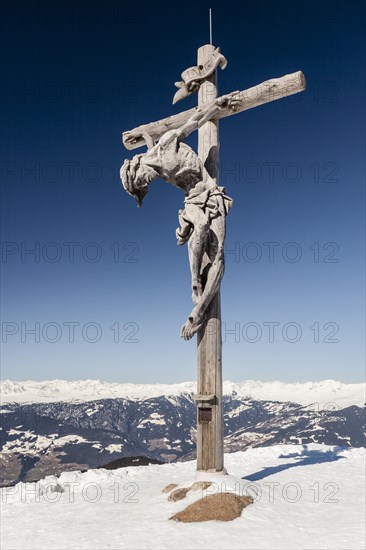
27, 442
93, 410
305, 497
71, 438
157, 418
114, 448
237, 411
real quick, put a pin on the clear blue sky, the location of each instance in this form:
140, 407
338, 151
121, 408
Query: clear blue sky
77, 74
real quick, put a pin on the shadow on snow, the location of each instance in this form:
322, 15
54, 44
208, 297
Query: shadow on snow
305, 458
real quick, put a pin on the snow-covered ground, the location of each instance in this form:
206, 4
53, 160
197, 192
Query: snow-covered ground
322, 394
305, 498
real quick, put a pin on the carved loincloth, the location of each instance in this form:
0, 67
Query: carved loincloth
210, 201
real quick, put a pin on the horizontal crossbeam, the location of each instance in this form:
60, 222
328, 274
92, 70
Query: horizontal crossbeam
267, 91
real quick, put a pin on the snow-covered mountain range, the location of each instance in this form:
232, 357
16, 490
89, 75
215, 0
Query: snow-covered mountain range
305, 393
52, 426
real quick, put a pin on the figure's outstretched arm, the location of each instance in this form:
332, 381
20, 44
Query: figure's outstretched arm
205, 113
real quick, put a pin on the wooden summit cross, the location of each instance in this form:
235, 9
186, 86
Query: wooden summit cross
202, 221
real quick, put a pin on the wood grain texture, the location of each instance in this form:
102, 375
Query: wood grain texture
210, 455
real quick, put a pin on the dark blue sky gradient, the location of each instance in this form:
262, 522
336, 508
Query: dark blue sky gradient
77, 74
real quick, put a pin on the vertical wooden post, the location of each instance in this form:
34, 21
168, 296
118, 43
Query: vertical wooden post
210, 452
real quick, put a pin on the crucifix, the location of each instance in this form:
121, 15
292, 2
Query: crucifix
202, 221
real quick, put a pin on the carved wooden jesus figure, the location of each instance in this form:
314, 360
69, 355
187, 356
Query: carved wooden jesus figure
206, 204
202, 221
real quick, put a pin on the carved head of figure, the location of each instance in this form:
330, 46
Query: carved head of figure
136, 176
